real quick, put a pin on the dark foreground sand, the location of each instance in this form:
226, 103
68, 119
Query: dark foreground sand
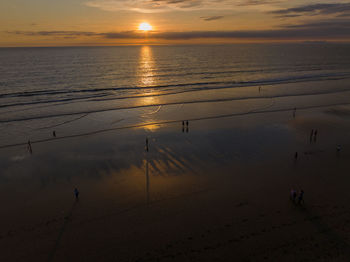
217, 193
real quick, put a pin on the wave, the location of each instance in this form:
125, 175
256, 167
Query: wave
19, 119
313, 77
190, 87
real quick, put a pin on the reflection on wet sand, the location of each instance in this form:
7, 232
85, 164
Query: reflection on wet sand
147, 181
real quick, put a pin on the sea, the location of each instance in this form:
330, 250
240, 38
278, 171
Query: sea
77, 90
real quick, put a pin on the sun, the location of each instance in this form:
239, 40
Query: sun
145, 27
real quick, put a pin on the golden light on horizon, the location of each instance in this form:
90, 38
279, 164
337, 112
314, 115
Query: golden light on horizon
145, 26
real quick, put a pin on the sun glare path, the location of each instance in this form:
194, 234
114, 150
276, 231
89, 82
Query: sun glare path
145, 27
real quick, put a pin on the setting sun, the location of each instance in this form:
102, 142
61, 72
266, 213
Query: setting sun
145, 27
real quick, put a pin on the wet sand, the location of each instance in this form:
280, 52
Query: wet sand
217, 191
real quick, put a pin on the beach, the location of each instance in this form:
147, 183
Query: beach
217, 193
215, 189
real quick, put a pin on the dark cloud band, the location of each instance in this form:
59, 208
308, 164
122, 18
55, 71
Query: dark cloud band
339, 29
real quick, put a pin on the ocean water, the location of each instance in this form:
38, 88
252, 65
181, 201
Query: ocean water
86, 89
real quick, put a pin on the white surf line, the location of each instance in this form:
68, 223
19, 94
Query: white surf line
169, 104
153, 112
170, 122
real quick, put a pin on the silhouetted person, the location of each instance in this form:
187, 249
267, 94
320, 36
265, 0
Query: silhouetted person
147, 144
312, 133
295, 156
183, 123
54, 133
301, 197
338, 149
315, 135
76, 193
187, 123
293, 195
30, 147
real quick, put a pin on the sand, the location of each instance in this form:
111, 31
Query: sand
218, 191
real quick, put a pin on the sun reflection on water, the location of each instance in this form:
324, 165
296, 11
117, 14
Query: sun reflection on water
146, 70
146, 66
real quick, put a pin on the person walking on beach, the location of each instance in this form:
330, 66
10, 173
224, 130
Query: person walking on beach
312, 133
30, 147
147, 144
76, 193
315, 135
338, 150
301, 197
293, 195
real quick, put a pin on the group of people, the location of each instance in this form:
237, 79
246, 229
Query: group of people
183, 126
297, 198
29, 144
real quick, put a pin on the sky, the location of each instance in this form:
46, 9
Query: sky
115, 22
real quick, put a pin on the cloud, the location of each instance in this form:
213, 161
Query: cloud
331, 29
258, 2
145, 6
211, 18
154, 6
55, 33
335, 24
325, 9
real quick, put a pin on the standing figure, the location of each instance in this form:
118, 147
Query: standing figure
315, 135
54, 133
293, 195
312, 133
295, 156
338, 150
147, 144
301, 197
30, 147
76, 193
